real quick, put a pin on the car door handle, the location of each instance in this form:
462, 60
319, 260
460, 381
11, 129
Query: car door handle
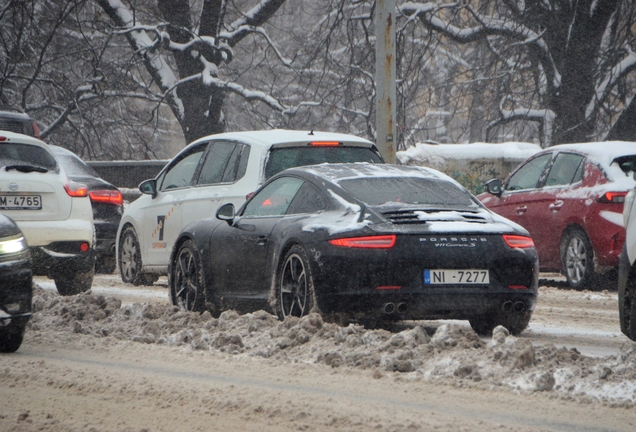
556, 206
521, 210
262, 239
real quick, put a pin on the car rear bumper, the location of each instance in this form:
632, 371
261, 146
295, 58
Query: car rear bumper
60, 258
444, 304
42, 233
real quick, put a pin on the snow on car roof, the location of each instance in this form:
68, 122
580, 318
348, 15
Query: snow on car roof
267, 138
21, 138
338, 172
603, 152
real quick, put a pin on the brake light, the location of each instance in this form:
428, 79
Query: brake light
107, 197
518, 242
84, 247
36, 130
613, 197
249, 195
3, 138
76, 189
325, 143
370, 242
517, 287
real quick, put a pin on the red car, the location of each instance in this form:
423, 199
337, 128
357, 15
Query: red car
570, 198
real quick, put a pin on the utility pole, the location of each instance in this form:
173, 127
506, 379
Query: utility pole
385, 93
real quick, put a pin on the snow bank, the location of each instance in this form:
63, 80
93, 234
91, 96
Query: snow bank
450, 353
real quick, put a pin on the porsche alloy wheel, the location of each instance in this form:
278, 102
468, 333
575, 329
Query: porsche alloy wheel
187, 280
295, 288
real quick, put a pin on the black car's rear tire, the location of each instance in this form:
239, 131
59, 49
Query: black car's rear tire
295, 293
11, 337
187, 284
515, 322
74, 284
632, 319
105, 265
577, 257
129, 259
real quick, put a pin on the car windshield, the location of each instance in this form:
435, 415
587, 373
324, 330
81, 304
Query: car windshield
74, 166
280, 159
17, 153
407, 190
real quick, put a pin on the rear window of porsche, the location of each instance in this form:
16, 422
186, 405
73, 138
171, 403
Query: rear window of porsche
407, 190
281, 158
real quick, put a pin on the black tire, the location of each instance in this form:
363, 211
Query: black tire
187, 283
295, 293
129, 259
75, 284
483, 325
632, 320
105, 265
515, 322
11, 337
577, 257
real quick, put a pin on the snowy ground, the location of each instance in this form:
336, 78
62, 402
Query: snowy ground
573, 353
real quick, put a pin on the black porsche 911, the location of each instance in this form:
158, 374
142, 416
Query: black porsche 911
360, 242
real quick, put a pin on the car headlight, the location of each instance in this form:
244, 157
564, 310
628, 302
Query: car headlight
14, 245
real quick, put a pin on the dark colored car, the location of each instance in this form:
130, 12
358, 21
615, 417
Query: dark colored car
570, 198
107, 203
16, 286
19, 123
360, 242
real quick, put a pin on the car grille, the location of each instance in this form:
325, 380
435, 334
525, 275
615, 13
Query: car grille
412, 216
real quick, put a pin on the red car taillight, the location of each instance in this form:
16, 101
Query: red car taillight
325, 143
36, 130
613, 197
107, 196
518, 242
76, 190
370, 242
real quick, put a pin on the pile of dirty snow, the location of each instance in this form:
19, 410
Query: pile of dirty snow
450, 353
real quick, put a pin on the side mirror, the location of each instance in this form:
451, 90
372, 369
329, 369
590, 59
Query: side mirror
226, 213
149, 187
494, 187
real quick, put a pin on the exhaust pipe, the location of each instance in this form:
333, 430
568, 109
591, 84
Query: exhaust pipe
520, 306
507, 306
402, 308
389, 308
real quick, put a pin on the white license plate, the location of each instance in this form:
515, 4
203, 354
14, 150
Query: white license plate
454, 277
20, 202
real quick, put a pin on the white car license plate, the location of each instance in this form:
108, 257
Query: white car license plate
20, 202
453, 277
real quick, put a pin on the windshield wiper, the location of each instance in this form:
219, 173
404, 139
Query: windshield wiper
26, 168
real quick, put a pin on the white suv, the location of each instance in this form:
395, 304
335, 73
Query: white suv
627, 269
53, 212
210, 172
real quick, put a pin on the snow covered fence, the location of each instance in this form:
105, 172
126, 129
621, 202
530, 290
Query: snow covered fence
470, 164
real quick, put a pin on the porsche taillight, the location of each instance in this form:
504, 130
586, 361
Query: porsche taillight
518, 242
367, 242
